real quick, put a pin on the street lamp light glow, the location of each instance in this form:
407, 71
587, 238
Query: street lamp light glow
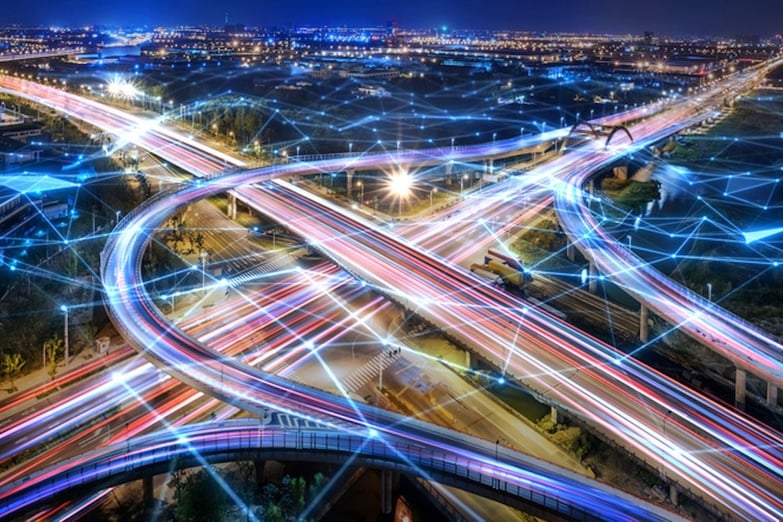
121, 88
400, 184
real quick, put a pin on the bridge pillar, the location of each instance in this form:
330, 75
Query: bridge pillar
643, 327
386, 491
554, 415
570, 251
468, 360
593, 279
348, 181
673, 494
259, 465
449, 169
772, 395
489, 167
147, 493
739, 388
231, 208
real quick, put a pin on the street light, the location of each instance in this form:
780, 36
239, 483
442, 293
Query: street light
434, 190
64, 309
400, 185
203, 255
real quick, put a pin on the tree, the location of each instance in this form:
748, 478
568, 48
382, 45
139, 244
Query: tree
287, 500
12, 365
199, 497
87, 334
53, 347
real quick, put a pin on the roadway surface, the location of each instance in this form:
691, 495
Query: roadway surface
679, 416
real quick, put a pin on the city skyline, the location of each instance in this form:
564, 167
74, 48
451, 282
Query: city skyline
698, 17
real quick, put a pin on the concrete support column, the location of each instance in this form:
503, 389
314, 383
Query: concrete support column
570, 251
468, 360
348, 181
146, 487
449, 169
772, 396
673, 494
643, 327
592, 279
259, 465
386, 491
231, 207
591, 187
554, 415
739, 388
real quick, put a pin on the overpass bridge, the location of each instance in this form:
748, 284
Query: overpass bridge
199, 189
513, 478
748, 347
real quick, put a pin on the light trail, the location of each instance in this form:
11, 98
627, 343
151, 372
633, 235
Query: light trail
283, 171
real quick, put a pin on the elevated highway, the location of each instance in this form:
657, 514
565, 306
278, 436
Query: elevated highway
500, 474
747, 346
692, 442
686, 419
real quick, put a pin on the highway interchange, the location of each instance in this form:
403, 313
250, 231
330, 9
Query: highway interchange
683, 436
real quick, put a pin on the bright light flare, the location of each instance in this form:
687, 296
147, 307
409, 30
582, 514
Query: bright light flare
400, 184
119, 87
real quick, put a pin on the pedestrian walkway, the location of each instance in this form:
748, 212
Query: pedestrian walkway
261, 271
370, 370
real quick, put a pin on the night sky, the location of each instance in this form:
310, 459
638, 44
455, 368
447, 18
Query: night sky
673, 17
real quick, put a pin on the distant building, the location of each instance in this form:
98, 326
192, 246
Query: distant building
13, 152
373, 90
18, 142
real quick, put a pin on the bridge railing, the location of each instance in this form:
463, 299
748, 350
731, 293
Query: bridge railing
238, 439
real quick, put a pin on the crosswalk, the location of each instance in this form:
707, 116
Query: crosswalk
370, 370
273, 265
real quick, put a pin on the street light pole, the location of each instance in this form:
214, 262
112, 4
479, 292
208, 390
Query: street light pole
203, 256
64, 309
